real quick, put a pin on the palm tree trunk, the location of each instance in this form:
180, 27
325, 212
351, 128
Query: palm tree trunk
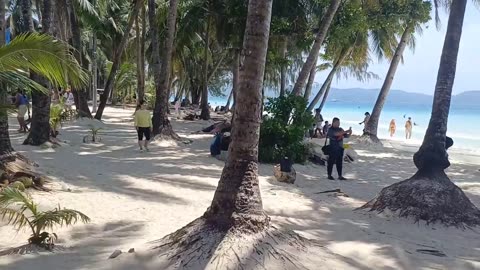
80, 94
229, 100
372, 125
325, 96
313, 56
432, 154
237, 201
236, 78
40, 125
205, 114
141, 55
39, 10
311, 80
430, 195
329, 78
5, 144
283, 68
117, 59
161, 124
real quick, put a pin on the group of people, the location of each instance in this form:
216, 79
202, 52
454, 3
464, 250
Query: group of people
408, 128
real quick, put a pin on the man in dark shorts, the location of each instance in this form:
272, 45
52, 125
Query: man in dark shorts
143, 124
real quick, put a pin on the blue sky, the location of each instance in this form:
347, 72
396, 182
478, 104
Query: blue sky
419, 71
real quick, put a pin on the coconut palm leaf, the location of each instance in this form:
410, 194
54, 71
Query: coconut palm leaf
19, 79
43, 55
15, 217
58, 216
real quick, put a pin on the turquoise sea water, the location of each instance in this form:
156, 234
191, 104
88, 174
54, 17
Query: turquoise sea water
463, 122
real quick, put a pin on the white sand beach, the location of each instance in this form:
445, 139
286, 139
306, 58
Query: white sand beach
135, 198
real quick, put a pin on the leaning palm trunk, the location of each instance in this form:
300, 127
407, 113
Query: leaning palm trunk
205, 114
40, 127
372, 125
325, 96
314, 52
161, 124
140, 55
311, 79
80, 93
283, 68
329, 78
430, 195
117, 60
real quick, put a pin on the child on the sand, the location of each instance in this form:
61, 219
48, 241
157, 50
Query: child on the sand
143, 124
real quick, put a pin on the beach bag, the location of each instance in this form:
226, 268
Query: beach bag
326, 148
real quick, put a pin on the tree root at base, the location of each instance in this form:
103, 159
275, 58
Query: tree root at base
430, 199
199, 245
15, 166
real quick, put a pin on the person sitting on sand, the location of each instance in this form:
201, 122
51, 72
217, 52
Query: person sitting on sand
143, 124
408, 128
335, 156
218, 127
392, 128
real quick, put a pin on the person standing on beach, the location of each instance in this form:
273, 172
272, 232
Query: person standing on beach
143, 124
23, 106
365, 120
335, 156
325, 128
408, 129
318, 119
392, 128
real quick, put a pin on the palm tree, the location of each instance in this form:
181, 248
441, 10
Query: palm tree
5, 145
429, 195
237, 205
161, 124
117, 59
19, 210
141, 31
43, 55
238, 193
314, 52
40, 127
418, 13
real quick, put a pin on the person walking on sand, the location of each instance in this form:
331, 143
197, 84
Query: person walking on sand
335, 155
408, 129
23, 106
392, 128
365, 121
143, 124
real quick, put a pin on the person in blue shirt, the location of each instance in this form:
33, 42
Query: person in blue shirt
23, 106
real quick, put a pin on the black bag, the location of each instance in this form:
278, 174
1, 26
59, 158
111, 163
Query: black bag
326, 148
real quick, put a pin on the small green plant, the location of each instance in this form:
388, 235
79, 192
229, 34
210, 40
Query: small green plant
18, 209
57, 116
283, 129
93, 136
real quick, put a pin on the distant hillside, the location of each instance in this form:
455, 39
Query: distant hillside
397, 97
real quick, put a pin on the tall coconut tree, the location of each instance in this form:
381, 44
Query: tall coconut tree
314, 52
416, 13
40, 126
429, 195
42, 55
161, 72
137, 4
5, 144
141, 32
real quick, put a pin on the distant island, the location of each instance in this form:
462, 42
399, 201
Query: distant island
397, 97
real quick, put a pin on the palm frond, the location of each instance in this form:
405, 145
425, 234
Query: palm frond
87, 7
19, 79
15, 217
45, 56
60, 217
